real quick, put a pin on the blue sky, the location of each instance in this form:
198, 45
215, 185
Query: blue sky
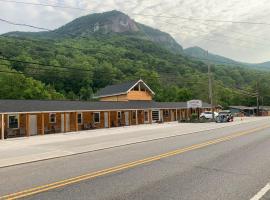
243, 42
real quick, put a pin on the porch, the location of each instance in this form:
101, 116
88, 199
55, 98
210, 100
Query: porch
31, 124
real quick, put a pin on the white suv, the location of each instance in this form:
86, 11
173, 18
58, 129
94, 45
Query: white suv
208, 115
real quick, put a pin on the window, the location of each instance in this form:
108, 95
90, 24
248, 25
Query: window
119, 115
136, 88
155, 115
80, 118
133, 114
52, 118
166, 113
97, 117
13, 121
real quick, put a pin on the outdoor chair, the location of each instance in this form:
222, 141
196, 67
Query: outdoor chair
22, 132
160, 121
46, 130
120, 123
55, 129
93, 126
86, 126
112, 124
11, 133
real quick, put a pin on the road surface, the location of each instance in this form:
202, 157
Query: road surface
228, 163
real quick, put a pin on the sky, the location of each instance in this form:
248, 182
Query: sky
238, 41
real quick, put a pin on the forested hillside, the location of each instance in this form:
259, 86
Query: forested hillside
77, 65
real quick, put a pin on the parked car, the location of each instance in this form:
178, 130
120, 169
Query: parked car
208, 115
224, 116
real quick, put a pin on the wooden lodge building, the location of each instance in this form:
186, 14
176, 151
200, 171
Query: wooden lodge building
119, 105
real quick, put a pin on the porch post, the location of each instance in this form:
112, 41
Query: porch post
130, 117
42, 124
109, 119
176, 115
136, 117
27, 125
65, 122
3, 126
76, 122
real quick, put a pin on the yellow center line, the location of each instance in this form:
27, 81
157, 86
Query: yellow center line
103, 172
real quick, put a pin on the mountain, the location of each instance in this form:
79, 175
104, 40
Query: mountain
201, 54
107, 23
265, 65
91, 52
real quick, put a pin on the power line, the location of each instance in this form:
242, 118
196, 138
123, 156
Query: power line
55, 32
241, 92
26, 25
45, 5
138, 14
98, 51
233, 31
230, 37
41, 64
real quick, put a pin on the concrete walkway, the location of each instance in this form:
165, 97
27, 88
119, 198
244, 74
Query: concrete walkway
36, 148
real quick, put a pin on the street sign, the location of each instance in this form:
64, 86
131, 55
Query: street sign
194, 104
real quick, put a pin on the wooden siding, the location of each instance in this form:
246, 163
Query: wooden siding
45, 127
115, 98
132, 95
139, 95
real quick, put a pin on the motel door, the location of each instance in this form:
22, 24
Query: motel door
106, 120
33, 124
63, 123
127, 118
146, 117
67, 122
173, 115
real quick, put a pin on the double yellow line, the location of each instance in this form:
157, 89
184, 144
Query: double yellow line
91, 175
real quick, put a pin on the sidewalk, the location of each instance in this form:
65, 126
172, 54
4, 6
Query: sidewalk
36, 148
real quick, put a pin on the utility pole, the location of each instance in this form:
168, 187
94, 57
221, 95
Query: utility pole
210, 88
258, 97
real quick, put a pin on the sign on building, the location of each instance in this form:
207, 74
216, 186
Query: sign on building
194, 104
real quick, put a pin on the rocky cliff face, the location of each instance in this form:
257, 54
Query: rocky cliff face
117, 23
113, 22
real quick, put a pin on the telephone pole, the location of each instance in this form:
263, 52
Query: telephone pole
210, 88
258, 98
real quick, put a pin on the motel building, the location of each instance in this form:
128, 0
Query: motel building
119, 105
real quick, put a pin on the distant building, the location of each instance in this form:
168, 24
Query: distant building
250, 111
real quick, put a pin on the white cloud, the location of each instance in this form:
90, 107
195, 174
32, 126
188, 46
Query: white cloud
243, 42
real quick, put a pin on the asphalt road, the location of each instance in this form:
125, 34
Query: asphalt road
234, 168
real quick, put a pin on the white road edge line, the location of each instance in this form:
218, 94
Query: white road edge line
261, 193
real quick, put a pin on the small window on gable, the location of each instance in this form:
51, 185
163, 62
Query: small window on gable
13, 121
52, 118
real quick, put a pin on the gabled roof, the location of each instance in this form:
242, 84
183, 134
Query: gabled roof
119, 89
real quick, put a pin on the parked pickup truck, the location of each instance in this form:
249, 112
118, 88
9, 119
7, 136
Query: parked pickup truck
208, 115
224, 116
